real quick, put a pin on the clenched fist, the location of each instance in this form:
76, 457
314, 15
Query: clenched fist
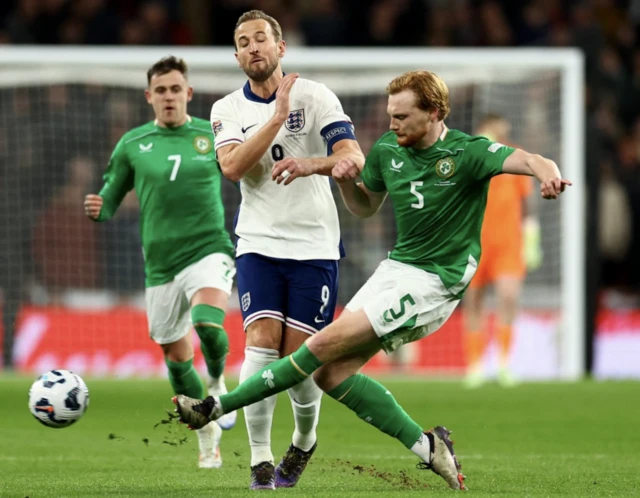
92, 206
344, 171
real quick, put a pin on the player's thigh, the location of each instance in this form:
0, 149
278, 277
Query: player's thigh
472, 306
312, 288
179, 351
261, 289
403, 303
209, 280
508, 288
167, 313
351, 333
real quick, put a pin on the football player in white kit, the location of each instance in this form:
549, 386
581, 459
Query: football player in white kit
281, 147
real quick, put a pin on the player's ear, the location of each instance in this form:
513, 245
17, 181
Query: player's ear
282, 48
189, 93
147, 95
237, 60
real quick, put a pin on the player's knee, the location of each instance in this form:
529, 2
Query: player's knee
265, 334
178, 352
329, 376
208, 323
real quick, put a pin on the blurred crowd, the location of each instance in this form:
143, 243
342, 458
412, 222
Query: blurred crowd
606, 31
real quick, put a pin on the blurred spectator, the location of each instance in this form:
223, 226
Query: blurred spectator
64, 244
605, 30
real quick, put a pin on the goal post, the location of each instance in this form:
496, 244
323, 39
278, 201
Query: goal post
541, 92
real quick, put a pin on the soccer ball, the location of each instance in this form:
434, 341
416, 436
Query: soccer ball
58, 398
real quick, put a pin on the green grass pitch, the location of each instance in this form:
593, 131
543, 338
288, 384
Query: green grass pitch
549, 439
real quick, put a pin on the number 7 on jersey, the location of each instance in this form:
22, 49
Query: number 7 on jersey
177, 159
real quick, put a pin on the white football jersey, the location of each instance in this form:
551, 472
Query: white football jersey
298, 221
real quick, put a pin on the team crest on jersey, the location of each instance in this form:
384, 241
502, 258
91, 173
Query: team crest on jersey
246, 301
295, 121
202, 144
445, 167
217, 127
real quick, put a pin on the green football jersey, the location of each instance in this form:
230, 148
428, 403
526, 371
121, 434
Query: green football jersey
177, 180
439, 195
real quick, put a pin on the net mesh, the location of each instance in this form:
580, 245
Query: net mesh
76, 287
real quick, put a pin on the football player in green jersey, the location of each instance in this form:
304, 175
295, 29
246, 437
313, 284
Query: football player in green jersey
189, 266
438, 180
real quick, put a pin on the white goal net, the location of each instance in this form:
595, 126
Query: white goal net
74, 288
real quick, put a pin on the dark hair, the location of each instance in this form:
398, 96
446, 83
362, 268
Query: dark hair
165, 65
255, 15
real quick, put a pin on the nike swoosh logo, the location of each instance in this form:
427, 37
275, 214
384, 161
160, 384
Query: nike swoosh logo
244, 130
318, 321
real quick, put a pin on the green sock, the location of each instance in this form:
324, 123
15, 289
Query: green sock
185, 379
374, 404
274, 378
208, 320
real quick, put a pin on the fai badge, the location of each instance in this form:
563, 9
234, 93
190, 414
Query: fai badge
295, 121
202, 144
445, 167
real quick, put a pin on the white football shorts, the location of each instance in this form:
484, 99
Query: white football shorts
168, 305
403, 303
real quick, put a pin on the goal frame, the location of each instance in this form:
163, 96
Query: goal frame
126, 66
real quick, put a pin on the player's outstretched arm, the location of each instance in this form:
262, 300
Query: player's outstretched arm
360, 201
238, 159
296, 166
545, 170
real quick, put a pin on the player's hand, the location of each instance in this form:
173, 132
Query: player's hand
344, 171
289, 169
92, 206
282, 96
551, 189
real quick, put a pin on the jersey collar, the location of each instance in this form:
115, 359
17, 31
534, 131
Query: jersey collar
249, 95
443, 134
155, 122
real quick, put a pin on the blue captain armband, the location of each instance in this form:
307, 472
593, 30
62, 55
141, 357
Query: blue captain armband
333, 133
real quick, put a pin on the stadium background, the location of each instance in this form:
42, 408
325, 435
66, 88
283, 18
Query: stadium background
72, 288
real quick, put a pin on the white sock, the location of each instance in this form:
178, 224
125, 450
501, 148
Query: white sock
259, 416
209, 437
305, 400
422, 448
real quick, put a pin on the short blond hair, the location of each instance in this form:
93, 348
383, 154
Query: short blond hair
255, 15
431, 91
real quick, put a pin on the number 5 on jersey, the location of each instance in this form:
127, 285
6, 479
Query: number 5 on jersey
177, 159
414, 191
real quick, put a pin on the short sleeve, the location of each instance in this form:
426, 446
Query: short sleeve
329, 108
486, 157
371, 176
224, 124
